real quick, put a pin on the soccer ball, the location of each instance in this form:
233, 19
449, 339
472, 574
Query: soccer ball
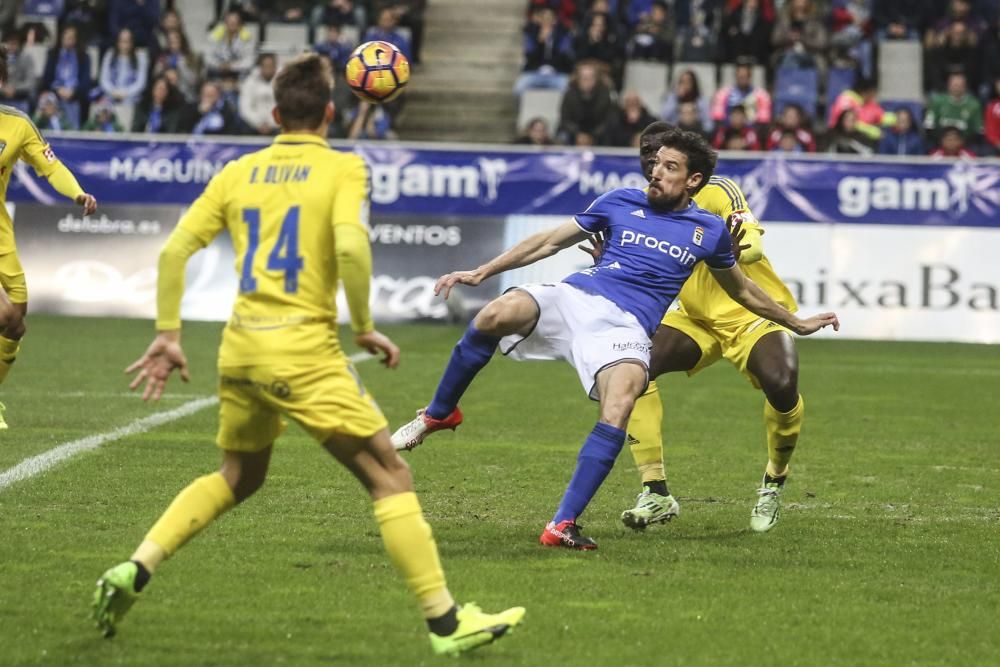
377, 72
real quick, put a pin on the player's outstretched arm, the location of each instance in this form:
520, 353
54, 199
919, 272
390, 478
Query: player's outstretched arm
748, 294
154, 367
532, 249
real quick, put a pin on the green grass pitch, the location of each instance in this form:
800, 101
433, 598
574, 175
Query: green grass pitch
887, 553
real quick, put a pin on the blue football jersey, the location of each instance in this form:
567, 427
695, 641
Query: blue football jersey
648, 254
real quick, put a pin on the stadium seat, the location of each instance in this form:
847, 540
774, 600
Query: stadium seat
538, 103
38, 54
649, 80
798, 86
900, 70
287, 34
94, 53
52, 8
350, 35
705, 72
125, 113
838, 79
727, 75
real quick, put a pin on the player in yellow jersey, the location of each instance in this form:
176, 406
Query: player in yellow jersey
20, 140
709, 326
296, 212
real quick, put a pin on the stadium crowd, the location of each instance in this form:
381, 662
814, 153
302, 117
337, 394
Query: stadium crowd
132, 65
830, 48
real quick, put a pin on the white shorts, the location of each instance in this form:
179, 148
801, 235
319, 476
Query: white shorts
588, 331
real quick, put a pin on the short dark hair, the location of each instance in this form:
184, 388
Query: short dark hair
701, 158
656, 127
302, 89
3, 64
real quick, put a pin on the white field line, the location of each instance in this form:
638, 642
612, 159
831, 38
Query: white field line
36, 465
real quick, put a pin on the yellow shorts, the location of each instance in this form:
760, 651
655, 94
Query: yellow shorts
734, 341
325, 399
12, 278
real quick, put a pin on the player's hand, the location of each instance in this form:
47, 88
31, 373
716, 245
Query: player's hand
813, 324
376, 343
445, 283
596, 247
88, 202
154, 367
737, 234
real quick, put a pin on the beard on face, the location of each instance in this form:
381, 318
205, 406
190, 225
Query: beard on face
659, 200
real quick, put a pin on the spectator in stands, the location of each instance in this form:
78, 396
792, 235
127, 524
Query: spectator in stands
800, 36
370, 121
654, 35
231, 49
991, 118
89, 17
257, 96
169, 20
737, 125
851, 35
787, 142
689, 118
956, 108
847, 138
548, 53
957, 49
160, 110
596, 43
586, 108
903, 138
612, 13
959, 11
339, 12
746, 31
536, 133
177, 55
333, 48
212, 114
50, 114
792, 123
67, 74
628, 122
901, 19
952, 144
385, 30
123, 70
871, 117
103, 118
410, 14
286, 11
687, 90
755, 101
697, 40
22, 82
637, 10
140, 17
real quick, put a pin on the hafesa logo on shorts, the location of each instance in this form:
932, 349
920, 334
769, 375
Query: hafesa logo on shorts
632, 345
682, 255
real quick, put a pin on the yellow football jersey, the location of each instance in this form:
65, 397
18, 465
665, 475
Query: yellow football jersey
19, 140
702, 298
280, 205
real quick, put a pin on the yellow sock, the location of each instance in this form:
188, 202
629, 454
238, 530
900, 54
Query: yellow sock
782, 434
645, 430
411, 547
8, 352
194, 508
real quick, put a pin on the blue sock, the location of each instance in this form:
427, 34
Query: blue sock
597, 457
471, 353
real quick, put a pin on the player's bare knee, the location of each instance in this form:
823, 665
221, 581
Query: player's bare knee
492, 318
616, 410
17, 329
782, 387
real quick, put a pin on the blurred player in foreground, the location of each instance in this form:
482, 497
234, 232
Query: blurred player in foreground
708, 326
20, 140
601, 319
297, 213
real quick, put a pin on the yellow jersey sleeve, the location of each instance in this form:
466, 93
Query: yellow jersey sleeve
37, 152
724, 198
353, 249
199, 226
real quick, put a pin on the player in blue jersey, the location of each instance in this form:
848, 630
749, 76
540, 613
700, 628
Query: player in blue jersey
601, 319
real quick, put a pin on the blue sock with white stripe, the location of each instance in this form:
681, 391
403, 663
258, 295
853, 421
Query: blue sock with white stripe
470, 355
597, 457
